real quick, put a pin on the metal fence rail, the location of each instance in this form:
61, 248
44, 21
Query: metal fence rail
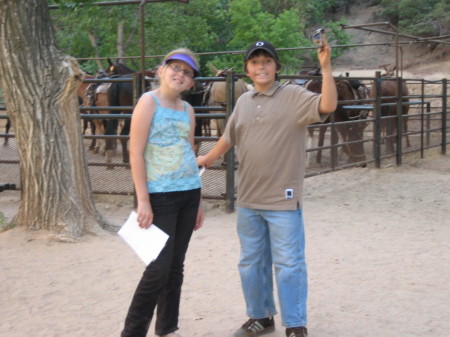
426, 122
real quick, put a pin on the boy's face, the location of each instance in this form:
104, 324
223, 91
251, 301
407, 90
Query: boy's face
262, 70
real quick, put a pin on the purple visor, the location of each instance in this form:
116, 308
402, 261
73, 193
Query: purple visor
185, 58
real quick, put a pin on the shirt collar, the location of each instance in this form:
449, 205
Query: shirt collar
274, 88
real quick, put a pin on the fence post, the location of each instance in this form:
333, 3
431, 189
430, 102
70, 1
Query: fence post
229, 156
334, 142
377, 125
399, 120
444, 117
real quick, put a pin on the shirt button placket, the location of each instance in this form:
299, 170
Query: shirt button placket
258, 113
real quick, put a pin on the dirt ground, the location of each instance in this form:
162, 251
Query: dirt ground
377, 251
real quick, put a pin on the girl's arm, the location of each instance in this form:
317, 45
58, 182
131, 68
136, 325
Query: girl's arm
140, 127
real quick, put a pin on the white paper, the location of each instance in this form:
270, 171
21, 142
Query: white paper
147, 243
202, 169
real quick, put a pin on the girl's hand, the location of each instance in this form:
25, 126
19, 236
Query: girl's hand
200, 218
145, 215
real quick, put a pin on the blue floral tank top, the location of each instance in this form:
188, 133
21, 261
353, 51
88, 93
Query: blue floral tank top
169, 159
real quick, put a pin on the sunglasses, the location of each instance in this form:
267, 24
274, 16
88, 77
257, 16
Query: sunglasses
176, 68
316, 38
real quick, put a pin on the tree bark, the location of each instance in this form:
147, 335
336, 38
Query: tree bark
40, 86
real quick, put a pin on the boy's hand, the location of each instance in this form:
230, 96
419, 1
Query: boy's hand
324, 55
203, 161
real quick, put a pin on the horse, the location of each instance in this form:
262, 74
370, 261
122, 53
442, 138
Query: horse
94, 94
121, 94
215, 94
117, 69
194, 96
389, 89
349, 132
7, 128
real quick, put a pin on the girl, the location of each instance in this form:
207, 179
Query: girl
167, 184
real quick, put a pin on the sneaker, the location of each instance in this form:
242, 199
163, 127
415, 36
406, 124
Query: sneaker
172, 334
256, 327
296, 332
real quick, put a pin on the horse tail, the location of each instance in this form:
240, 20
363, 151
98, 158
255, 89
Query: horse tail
112, 123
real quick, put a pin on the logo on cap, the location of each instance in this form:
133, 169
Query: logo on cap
259, 44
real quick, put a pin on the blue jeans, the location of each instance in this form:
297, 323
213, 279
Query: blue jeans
175, 213
276, 237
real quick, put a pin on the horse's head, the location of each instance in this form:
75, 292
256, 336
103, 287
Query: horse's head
116, 69
219, 72
310, 71
307, 71
150, 73
389, 71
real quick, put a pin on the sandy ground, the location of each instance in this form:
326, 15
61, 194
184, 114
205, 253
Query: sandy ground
378, 252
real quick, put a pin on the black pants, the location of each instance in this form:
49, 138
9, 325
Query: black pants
175, 213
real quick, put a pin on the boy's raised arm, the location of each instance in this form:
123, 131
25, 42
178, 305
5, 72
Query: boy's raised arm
328, 103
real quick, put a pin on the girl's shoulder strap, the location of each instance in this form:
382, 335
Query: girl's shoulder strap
186, 106
155, 98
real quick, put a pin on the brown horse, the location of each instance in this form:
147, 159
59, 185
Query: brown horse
94, 94
215, 94
349, 132
390, 91
97, 95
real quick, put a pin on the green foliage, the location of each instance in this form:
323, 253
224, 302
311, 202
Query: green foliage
225, 25
4, 224
74, 22
194, 28
251, 23
441, 16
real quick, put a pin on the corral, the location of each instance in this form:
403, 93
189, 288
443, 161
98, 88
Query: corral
426, 125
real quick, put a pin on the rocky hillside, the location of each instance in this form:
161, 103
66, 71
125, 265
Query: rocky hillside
418, 59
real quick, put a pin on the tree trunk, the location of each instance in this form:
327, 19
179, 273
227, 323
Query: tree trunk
40, 86
120, 49
95, 46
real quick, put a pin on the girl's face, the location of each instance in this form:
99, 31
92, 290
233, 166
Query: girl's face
178, 74
262, 70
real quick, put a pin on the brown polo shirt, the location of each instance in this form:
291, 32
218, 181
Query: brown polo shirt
269, 132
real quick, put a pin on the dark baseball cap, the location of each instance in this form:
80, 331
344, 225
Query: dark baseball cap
263, 45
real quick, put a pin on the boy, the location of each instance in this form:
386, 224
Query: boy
268, 127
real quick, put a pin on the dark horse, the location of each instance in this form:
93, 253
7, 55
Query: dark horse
194, 97
350, 133
121, 94
390, 91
